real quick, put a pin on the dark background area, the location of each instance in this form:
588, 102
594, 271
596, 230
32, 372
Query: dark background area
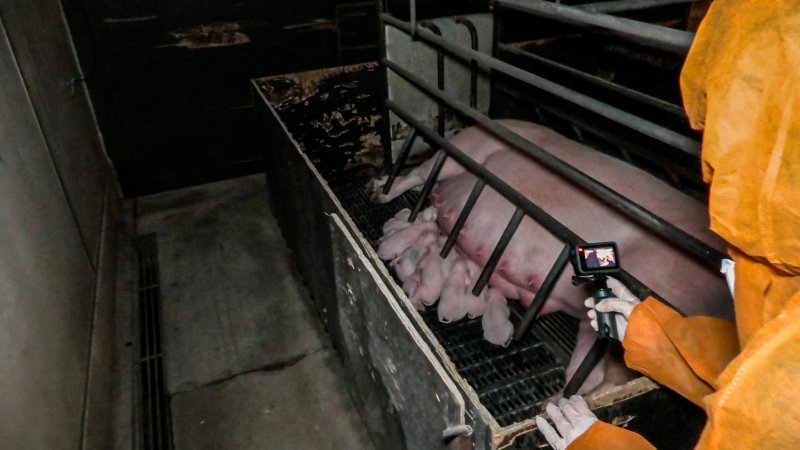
175, 116
169, 80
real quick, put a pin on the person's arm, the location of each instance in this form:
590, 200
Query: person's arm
756, 404
577, 428
686, 354
603, 435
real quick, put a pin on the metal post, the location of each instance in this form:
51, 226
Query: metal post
543, 292
595, 354
498, 30
439, 75
505, 239
384, 129
462, 218
473, 65
429, 182
401, 160
412, 17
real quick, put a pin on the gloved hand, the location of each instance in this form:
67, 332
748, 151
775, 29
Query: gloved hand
571, 417
623, 304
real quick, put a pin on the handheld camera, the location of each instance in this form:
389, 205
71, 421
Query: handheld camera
592, 263
595, 259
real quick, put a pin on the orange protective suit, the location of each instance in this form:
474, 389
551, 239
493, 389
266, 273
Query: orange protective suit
741, 84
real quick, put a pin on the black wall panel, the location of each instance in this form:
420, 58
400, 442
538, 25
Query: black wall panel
169, 79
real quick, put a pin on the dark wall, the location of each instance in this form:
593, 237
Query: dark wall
169, 80
58, 209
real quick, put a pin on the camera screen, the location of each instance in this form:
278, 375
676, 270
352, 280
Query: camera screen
599, 258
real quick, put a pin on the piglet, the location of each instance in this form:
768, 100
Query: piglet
497, 329
411, 285
406, 264
433, 271
452, 306
396, 223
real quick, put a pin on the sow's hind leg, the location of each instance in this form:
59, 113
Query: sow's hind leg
609, 371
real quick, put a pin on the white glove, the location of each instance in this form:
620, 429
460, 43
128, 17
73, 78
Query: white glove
623, 304
571, 417
728, 270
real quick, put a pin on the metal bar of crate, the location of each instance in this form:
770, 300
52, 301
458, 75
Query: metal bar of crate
669, 39
439, 74
622, 90
684, 240
600, 131
505, 239
627, 5
428, 186
543, 292
412, 15
638, 124
462, 218
473, 65
401, 160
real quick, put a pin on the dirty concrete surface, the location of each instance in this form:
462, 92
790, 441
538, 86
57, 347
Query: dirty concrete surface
247, 362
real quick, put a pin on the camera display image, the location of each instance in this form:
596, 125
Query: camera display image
597, 258
600, 257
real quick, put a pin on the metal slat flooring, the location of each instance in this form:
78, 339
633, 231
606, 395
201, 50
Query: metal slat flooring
511, 382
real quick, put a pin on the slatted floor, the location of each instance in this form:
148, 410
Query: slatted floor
512, 382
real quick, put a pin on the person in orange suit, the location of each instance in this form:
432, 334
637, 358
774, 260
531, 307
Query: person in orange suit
741, 85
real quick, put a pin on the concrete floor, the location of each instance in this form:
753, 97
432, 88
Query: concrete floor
247, 362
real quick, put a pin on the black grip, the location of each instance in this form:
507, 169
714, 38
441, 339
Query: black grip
606, 325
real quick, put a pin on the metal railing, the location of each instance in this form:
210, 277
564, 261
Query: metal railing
597, 81
663, 228
632, 121
628, 5
673, 40
669, 39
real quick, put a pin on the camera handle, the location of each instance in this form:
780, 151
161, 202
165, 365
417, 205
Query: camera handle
606, 331
606, 325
